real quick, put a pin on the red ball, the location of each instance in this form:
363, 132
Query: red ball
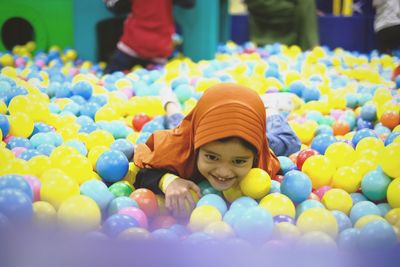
163, 221
390, 119
139, 120
278, 178
146, 200
303, 155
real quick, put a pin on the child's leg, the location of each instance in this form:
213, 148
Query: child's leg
121, 61
172, 108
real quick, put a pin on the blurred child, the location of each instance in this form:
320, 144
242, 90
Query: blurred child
387, 25
220, 140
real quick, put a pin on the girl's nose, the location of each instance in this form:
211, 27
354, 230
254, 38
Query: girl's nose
224, 172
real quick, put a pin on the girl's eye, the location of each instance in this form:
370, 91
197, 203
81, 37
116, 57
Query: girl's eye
211, 157
239, 162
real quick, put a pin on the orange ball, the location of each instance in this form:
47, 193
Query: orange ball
340, 127
390, 119
146, 200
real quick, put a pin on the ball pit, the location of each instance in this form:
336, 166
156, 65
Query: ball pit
68, 133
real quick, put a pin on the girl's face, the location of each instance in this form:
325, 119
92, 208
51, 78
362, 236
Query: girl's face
224, 164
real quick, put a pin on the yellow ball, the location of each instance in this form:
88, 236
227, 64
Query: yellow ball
341, 154
389, 160
369, 143
15, 166
317, 238
337, 199
278, 204
202, 216
79, 213
256, 183
3, 107
363, 166
286, 231
134, 233
320, 169
318, 219
99, 138
44, 213
20, 124
7, 60
393, 216
77, 167
347, 178
232, 193
106, 113
219, 230
59, 153
57, 188
39, 164
393, 193
366, 219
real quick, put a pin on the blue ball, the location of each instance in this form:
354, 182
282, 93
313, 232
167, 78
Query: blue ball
374, 185
307, 204
16, 205
324, 129
143, 136
286, 164
118, 223
215, 201
310, 94
124, 146
275, 187
83, 89
364, 124
321, 142
384, 208
165, 235
357, 197
4, 125
363, 208
19, 142
391, 138
377, 235
397, 80
243, 202
119, 203
14, 181
98, 191
368, 112
232, 215
112, 166
78, 145
348, 240
45, 149
254, 225
179, 229
41, 127
360, 134
28, 154
342, 220
296, 185
297, 87
351, 100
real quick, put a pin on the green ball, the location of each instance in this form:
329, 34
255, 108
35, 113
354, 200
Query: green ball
206, 188
120, 189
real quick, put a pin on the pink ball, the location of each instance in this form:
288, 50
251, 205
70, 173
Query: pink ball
137, 214
18, 150
336, 113
8, 138
322, 190
35, 184
20, 62
128, 92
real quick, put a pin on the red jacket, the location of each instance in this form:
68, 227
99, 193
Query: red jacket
149, 27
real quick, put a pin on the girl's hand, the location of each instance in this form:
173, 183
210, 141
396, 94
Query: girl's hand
178, 198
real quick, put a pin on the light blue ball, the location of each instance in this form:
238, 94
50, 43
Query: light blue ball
83, 89
296, 185
98, 191
377, 235
16, 205
119, 203
213, 200
321, 142
348, 240
78, 145
374, 185
384, 208
243, 202
342, 220
275, 187
124, 146
307, 204
286, 164
165, 235
368, 113
363, 208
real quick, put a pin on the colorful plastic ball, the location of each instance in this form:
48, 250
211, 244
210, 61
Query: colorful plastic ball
198, 238
44, 214
363, 124
146, 200
183, 92
337, 199
15, 142
206, 188
35, 185
341, 154
347, 178
391, 137
17, 182
368, 112
316, 240
179, 229
286, 164
363, 208
119, 203
389, 160
98, 191
275, 187
357, 197
137, 214
390, 119
4, 125
384, 208
112, 166
321, 142
318, 219
124, 146
296, 185
215, 201
16, 205
393, 193
163, 221
219, 230
393, 216
363, 133
134, 234
342, 220
320, 192
29, 154
243, 202
82, 88
283, 218
348, 240
323, 129
286, 231
255, 225
78, 145
320, 170
165, 235
20, 124
303, 155
374, 185
79, 213
377, 235
118, 223
360, 223
202, 216
340, 127
311, 93
278, 204
256, 183
232, 214
307, 204
120, 189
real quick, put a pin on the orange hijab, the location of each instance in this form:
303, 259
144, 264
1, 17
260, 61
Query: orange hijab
224, 110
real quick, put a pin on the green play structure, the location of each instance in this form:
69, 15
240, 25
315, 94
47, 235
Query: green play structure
72, 23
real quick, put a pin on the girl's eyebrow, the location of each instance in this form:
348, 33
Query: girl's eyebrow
236, 157
211, 152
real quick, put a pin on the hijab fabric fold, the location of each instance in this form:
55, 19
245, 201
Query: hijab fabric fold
224, 110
